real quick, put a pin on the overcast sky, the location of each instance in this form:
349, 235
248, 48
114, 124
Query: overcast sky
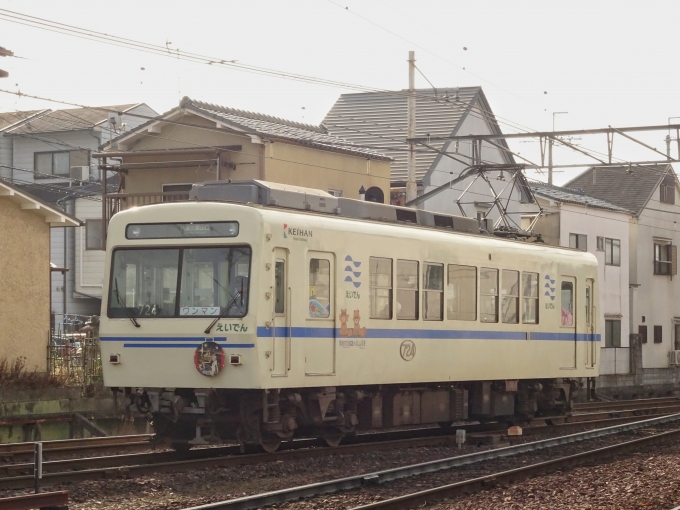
604, 62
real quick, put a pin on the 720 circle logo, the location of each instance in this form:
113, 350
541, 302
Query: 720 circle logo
407, 350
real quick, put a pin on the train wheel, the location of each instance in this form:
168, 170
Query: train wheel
270, 443
333, 437
181, 447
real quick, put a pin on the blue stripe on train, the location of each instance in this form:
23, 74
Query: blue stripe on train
192, 346
454, 334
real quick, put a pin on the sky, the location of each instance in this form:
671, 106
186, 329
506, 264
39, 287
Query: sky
603, 62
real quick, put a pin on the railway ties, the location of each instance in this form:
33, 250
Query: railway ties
436, 494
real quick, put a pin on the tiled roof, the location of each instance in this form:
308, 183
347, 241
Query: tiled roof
72, 119
9, 118
572, 196
274, 127
379, 120
627, 187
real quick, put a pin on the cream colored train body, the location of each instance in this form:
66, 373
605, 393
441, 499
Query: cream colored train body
335, 324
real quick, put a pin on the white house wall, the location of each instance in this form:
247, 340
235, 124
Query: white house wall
89, 264
5, 156
657, 298
613, 280
447, 169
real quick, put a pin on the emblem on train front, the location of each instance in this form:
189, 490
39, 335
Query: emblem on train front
549, 287
407, 350
351, 270
209, 359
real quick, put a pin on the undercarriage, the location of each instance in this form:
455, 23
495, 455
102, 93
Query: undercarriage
185, 417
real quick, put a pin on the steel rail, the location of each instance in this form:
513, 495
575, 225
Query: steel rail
44, 500
512, 475
355, 482
12, 448
639, 403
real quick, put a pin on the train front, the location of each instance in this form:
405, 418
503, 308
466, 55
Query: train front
178, 327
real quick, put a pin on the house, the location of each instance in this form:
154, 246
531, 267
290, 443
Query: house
650, 193
572, 218
25, 224
379, 120
48, 153
197, 142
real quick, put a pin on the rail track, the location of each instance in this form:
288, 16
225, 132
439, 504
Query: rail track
15, 451
467, 486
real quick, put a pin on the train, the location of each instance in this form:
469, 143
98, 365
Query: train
261, 312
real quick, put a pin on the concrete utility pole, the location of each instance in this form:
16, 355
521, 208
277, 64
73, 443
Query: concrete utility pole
550, 150
411, 188
5, 53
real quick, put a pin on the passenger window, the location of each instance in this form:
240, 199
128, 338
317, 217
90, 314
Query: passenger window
280, 287
461, 293
319, 288
433, 287
489, 294
510, 292
567, 315
407, 289
380, 287
530, 298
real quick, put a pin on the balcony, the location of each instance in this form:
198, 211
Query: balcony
116, 202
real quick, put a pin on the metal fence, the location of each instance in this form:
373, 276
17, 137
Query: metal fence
73, 352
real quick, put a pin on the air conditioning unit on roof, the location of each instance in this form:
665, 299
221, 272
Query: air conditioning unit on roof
674, 358
80, 173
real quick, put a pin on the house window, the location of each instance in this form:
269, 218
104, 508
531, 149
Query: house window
530, 298
433, 292
612, 252
461, 301
52, 163
510, 293
380, 287
600, 243
667, 190
488, 294
578, 241
676, 328
407, 289
93, 235
658, 334
642, 332
665, 258
612, 333
181, 192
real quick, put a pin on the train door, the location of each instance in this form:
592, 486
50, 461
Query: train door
280, 315
591, 346
568, 313
319, 337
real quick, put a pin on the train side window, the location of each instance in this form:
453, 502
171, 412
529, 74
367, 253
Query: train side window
319, 288
510, 293
489, 294
280, 287
567, 314
380, 287
530, 298
433, 289
461, 293
407, 289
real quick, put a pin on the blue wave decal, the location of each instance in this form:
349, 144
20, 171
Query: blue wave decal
353, 276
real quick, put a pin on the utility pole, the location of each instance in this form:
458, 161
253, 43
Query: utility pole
411, 189
550, 150
4, 52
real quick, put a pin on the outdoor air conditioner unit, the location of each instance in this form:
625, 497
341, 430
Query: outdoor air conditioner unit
80, 173
674, 358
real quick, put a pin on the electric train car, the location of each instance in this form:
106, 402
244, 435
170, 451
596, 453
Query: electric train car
259, 312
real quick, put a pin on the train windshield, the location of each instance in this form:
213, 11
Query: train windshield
179, 282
